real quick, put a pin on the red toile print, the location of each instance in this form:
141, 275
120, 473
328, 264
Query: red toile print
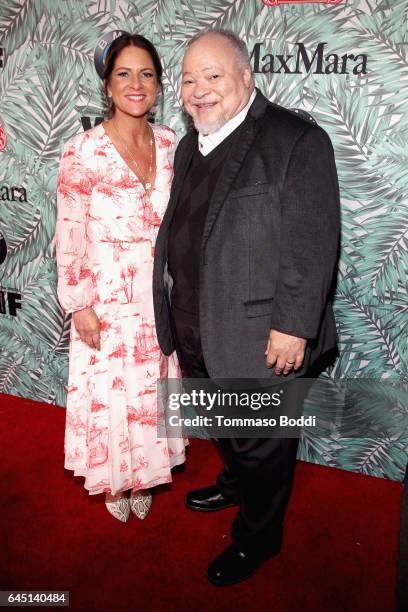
146, 348
98, 446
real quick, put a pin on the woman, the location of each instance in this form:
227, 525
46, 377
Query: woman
113, 189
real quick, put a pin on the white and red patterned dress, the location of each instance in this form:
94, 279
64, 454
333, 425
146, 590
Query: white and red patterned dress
106, 231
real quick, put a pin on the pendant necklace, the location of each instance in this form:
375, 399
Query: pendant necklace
147, 185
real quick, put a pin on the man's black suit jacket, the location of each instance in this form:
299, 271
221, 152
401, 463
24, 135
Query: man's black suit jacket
269, 246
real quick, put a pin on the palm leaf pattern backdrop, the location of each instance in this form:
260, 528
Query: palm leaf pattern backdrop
48, 82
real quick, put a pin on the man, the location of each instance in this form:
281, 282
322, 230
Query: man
244, 265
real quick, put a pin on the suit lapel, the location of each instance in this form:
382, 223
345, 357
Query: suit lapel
230, 171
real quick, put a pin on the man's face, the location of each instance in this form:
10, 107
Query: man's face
216, 86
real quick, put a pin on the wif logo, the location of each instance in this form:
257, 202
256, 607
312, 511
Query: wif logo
87, 122
277, 2
10, 302
3, 249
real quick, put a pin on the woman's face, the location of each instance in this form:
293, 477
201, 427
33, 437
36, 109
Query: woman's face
133, 83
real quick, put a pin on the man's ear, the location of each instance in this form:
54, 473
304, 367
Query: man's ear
247, 75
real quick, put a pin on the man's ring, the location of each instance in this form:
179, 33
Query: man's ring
290, 362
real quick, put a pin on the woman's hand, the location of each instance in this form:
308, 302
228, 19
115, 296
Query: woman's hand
88, 327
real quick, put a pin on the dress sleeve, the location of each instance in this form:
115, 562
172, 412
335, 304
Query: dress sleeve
75, 284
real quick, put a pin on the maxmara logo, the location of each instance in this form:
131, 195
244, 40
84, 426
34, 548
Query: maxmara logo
318, 60
13, 193
277, 2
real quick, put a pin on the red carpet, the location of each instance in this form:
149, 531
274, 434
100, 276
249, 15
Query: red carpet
339, 555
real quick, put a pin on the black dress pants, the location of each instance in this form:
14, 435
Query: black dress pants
258, 473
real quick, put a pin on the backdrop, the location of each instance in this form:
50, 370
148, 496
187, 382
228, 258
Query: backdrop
343, 61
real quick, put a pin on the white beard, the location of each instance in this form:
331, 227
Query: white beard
209, 128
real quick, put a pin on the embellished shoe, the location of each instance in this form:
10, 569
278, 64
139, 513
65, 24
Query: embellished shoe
118, 506
140, 503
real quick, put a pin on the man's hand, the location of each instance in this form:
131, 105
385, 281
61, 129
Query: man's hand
286, 351
87, 325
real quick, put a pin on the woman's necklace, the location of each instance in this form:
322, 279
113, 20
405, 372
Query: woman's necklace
146, 182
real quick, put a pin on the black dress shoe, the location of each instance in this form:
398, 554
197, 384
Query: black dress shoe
208, 499
232, 566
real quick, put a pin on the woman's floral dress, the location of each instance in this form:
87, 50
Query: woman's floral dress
106, 231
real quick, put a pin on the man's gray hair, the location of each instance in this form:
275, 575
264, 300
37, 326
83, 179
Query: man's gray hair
237, 43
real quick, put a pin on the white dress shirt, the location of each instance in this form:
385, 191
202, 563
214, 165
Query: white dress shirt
207, 143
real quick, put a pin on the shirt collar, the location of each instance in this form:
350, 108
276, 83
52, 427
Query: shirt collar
207, 143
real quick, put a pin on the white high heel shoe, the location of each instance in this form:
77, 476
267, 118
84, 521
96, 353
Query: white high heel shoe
118, 506
140, 503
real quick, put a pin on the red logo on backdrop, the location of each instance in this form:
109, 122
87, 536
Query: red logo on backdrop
276, 2
3, 137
